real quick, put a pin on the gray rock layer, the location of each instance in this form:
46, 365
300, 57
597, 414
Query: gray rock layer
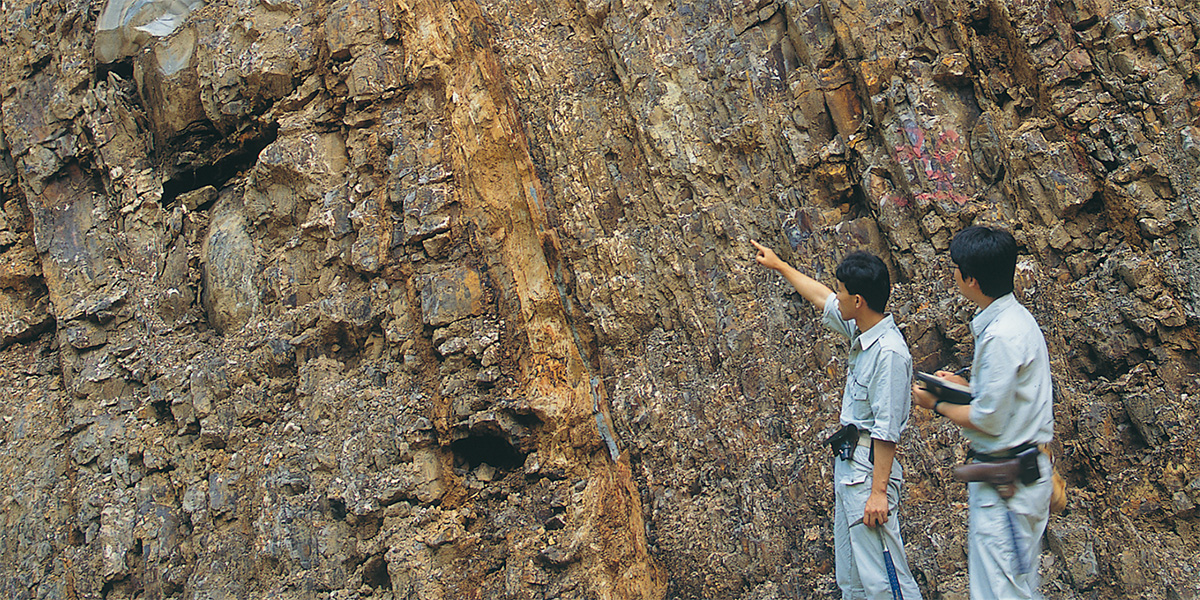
428, 299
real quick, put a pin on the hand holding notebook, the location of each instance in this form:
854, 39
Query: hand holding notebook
945, 390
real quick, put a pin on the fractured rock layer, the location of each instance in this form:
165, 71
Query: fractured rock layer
437, 299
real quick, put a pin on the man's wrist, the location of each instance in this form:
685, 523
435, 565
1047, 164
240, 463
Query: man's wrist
935, 408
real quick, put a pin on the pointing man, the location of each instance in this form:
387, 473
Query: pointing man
870, 559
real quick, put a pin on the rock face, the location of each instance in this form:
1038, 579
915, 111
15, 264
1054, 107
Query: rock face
455, 299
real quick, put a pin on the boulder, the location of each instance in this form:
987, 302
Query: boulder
231, 274
450, 295
125, 26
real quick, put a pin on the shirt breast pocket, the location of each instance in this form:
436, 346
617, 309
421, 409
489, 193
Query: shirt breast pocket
859, 402
858, 389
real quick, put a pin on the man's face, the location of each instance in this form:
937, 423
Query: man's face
847, 303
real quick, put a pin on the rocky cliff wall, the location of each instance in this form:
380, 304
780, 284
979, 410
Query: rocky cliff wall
455, 299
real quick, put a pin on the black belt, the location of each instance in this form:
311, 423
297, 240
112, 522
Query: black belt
1001, 455
843, 441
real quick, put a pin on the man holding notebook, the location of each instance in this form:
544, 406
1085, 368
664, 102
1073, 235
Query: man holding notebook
1008, 416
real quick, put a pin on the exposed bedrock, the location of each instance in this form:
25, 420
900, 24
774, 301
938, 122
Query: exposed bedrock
427, 299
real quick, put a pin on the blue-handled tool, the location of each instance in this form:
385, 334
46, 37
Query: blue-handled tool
893, 579
1019, 561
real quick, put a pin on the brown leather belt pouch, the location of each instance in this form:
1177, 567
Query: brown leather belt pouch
1003, 474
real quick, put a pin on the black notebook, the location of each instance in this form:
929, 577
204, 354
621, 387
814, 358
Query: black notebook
946, 391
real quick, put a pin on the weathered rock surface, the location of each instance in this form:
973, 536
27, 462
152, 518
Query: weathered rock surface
360, 298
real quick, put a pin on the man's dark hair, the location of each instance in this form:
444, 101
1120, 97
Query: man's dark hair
865, 274
987, 254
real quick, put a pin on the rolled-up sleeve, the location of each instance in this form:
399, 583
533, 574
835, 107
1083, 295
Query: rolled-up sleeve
890, 392
995, 382
832, 318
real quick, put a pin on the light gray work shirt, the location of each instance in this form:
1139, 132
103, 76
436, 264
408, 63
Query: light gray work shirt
878, 394
1010, 379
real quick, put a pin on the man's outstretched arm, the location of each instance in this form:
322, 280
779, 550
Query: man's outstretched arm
812, 290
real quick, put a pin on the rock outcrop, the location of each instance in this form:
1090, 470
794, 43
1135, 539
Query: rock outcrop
455, 299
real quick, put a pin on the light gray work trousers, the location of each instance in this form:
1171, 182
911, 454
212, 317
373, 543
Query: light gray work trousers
1005, 538
858, 550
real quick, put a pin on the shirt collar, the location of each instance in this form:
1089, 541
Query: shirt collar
868, 337
989, 314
